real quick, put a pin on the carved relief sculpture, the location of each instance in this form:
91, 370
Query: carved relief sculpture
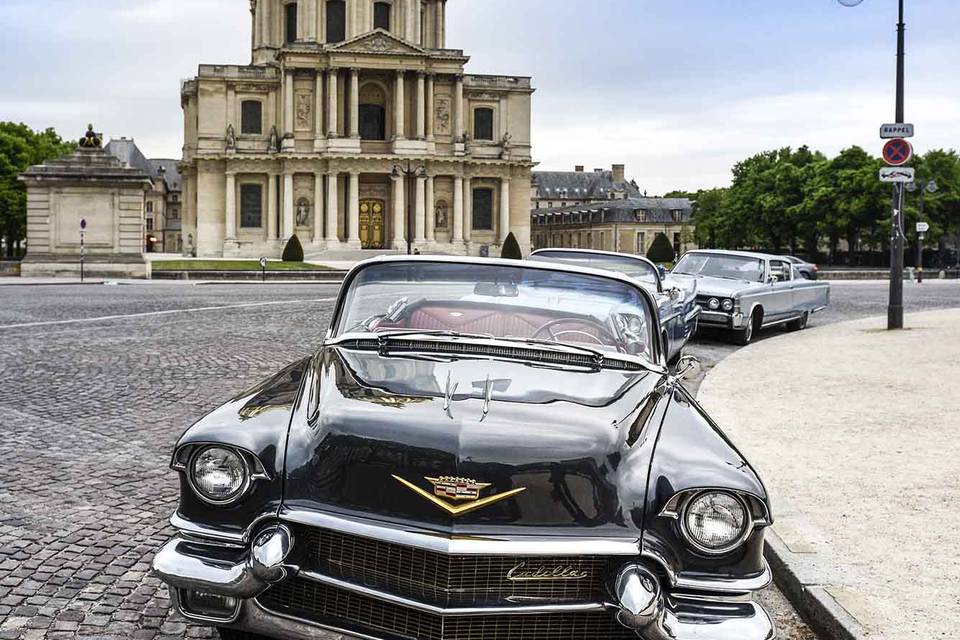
443, 116
304, 106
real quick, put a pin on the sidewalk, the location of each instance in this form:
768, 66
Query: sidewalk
856, 432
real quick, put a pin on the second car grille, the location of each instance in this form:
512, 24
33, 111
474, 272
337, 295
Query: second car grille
307, 600
450, 580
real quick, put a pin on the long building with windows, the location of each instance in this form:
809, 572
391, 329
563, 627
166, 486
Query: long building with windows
355, 128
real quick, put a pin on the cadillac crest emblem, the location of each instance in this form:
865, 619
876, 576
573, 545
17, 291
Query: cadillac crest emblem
447, 489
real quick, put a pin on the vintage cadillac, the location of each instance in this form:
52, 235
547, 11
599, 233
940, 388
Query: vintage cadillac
744, 292
677, 303
479, 450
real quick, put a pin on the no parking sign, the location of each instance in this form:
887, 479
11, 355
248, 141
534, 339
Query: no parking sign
897, 152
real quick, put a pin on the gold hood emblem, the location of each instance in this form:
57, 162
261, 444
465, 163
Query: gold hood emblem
458, 490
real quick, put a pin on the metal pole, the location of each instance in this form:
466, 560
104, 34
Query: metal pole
895, 307
920, 241
410, 221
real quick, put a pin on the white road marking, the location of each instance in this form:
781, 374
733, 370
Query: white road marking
162, 313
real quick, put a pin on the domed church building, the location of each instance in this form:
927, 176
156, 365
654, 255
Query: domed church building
355, 128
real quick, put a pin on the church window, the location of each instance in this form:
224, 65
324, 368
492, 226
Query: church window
251, 117
483, 123
373, 122
336, 21
291, 16
381, 15
251, 206
483, 209
149, 207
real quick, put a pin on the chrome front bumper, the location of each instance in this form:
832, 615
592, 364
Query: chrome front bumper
636, 596
722, 320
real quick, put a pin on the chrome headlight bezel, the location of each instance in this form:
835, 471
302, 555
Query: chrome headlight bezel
727, 305
233, 498
736, 543
713, 303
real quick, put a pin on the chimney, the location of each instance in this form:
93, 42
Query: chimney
619, 173
578, 168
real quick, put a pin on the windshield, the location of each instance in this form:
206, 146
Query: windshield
639, 269
718, 265
494, 301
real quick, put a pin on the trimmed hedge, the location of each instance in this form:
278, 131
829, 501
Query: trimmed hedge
293, 252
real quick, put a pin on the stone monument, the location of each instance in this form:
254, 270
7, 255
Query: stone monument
93, 189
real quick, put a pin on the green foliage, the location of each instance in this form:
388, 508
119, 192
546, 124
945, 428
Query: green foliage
293, 252
661, 251
511, 248
21, 148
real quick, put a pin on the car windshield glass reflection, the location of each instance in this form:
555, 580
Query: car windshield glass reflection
721, 266
632, 267
526, 304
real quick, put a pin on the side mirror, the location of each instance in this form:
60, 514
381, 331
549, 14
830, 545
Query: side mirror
686, 366
675, 293
774, 279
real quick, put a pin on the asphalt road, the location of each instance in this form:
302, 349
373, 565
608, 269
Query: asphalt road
98, 383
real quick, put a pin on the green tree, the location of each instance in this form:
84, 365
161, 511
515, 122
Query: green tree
293, 252
661, 250
20, 148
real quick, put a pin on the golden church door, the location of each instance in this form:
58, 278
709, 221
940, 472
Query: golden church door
372, 232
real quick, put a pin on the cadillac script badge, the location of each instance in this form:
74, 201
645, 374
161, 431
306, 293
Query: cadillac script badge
524, 573
457, 490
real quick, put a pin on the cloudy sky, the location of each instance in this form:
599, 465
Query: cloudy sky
677, 89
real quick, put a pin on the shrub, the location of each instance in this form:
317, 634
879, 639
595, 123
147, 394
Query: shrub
293, 252
511, 248
661, 250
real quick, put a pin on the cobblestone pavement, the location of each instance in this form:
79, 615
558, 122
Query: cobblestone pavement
89, 412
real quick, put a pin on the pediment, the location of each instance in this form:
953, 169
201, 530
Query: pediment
379, 41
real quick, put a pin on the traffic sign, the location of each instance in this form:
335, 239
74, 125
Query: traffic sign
888, 131
897, 152
923, 227
897, 174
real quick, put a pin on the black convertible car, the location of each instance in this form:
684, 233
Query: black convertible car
480, 450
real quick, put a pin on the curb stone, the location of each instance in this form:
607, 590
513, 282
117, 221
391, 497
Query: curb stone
820, 609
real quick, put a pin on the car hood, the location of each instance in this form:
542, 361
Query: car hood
721, 287
568, 442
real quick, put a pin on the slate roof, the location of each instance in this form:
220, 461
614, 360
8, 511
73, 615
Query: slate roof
656, 210
170, 172
127, 151
580, 185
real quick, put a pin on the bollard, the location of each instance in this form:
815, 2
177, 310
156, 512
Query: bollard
943, 274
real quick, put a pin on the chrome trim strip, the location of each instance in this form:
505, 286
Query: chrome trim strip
454, 611
466, 545
721, 585
257, 618
205, 534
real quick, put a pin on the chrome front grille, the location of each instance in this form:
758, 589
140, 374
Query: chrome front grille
322, 604
451, 580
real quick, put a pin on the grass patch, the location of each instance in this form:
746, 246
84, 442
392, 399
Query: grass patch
233, 265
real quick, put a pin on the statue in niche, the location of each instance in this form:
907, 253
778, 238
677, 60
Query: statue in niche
442, 215
303, 212
274, 144
507, 144
231, 137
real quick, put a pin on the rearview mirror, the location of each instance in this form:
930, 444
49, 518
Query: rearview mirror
496, 290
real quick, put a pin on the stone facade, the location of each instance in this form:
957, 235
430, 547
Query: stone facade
314, 136
92, 187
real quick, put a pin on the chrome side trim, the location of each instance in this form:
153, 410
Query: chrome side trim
454, 612
465, 545
207, 535
722, 585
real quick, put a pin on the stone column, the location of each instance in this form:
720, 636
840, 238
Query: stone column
421, 106
457, 209
504, 208
442, 26
416, 7
318, 107
398, 108
333, 207
399, 213
288, 220
467, 208
288, 103
431, 210
231, 218
458, 106
272, 207
354, 224
355, 103
430, 107
332, 106
420, 210
317, 207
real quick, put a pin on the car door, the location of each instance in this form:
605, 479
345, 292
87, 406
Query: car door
780, 303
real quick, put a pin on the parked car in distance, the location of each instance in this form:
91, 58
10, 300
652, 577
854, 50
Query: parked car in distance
744, 292
676, 301
479, 448
807, 270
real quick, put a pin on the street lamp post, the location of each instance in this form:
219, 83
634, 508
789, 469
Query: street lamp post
405, 171
925, 188
895, 306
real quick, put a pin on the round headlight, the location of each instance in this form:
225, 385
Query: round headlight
716, 521
714, 304
727, 305
218, 474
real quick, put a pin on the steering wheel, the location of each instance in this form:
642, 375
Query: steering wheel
607, 337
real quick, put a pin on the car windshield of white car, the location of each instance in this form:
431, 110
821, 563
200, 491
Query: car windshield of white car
639, 269
532, 304
721, 266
